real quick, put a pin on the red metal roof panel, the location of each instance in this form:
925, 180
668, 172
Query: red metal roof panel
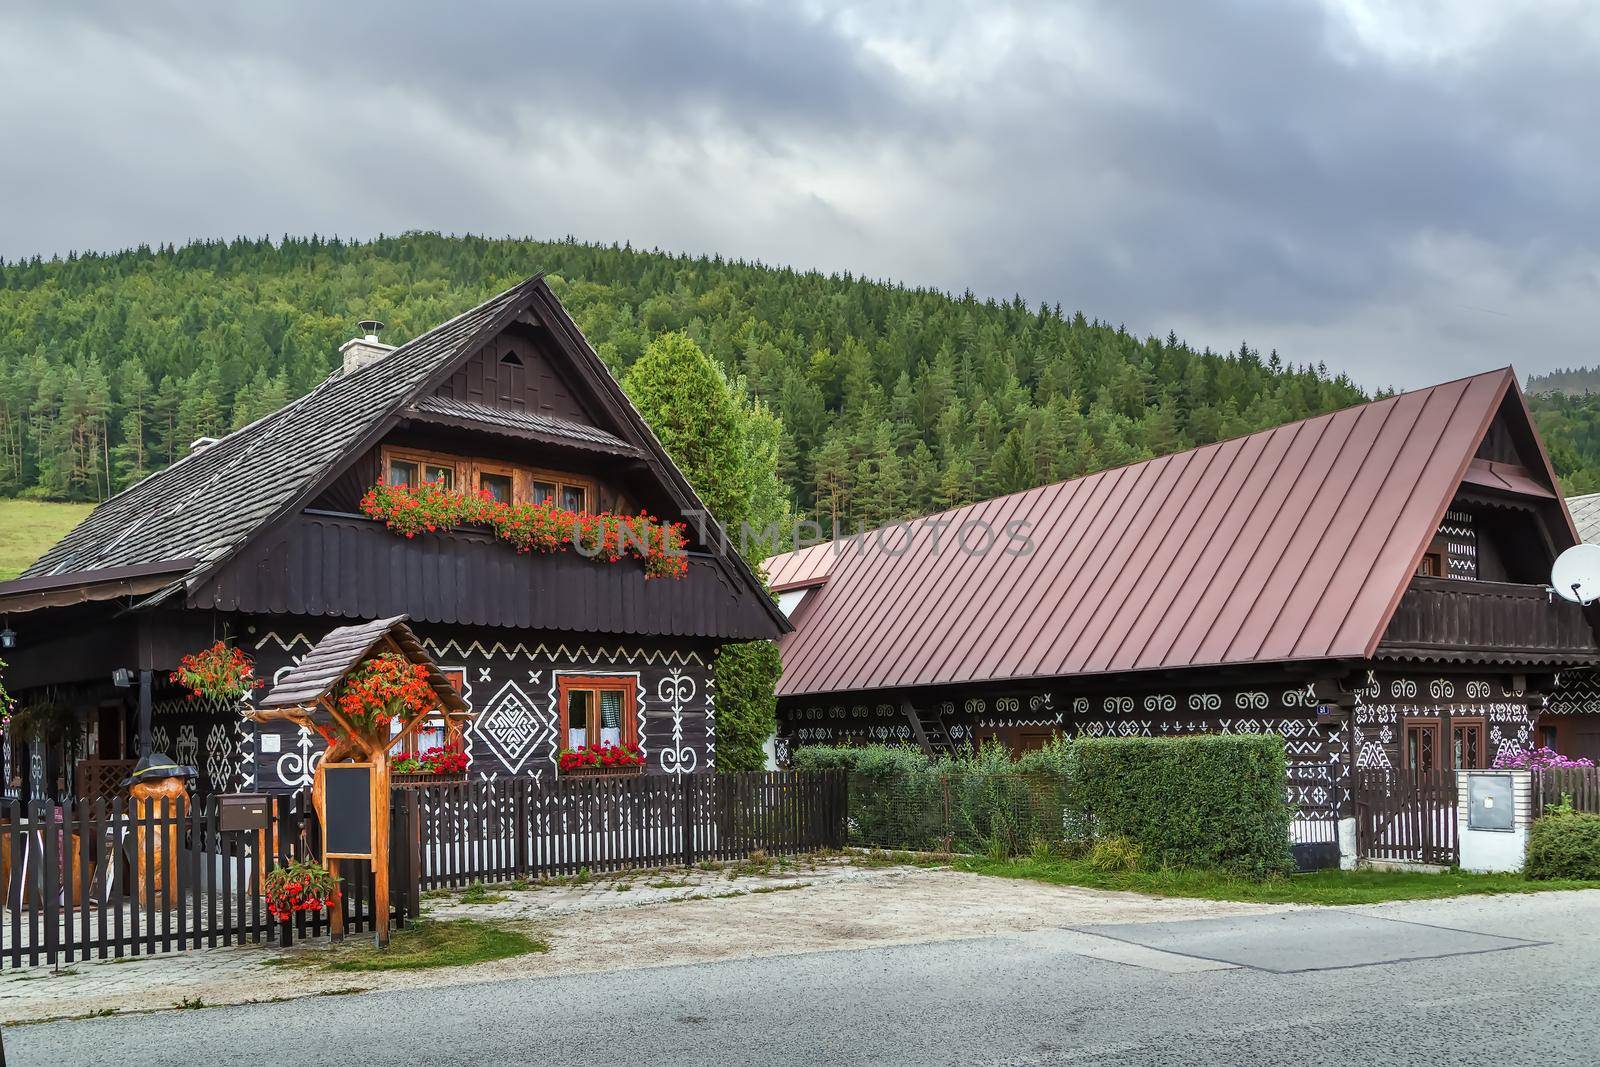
1290, 543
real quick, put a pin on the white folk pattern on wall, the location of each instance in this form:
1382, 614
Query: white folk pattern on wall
676, 690
298, 767
511, 726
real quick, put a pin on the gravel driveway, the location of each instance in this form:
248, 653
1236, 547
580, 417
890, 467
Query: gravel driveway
651, 919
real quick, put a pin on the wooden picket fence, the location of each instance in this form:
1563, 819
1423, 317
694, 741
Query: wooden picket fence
531, 828
107, 879
1580, 785
1406, 815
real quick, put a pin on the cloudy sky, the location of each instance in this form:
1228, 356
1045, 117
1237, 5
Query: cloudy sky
1406, 191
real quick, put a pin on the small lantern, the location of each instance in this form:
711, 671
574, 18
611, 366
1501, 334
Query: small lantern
8, 638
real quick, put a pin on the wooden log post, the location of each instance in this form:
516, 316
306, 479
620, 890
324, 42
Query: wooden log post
380, 846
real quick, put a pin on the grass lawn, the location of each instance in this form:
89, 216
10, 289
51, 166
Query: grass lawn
422, 945
28, 527
1318, 887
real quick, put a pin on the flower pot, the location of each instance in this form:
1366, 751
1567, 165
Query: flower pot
629, 770
427, 779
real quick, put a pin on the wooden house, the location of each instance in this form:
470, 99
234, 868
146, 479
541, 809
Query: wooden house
1370, 584
1570, 721
260, 538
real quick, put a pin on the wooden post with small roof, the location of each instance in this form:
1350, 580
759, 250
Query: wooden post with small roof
305, 695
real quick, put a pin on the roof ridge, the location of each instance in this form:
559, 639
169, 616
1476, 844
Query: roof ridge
1139, 462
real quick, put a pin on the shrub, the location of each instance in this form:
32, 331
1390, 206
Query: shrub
1564, 846
1115, 853
1208, 800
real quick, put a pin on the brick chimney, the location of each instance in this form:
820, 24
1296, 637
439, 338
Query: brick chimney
362, 351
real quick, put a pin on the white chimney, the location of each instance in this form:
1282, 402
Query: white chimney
201, 443
362, 351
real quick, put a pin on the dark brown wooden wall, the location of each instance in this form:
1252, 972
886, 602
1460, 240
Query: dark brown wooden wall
487, 378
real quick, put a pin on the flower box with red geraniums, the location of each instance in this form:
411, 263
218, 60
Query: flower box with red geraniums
217, 673
605, 536
604, 760
300, 886
448, 764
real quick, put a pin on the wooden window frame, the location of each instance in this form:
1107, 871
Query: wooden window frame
467, 468
389, 453
1439, 750
1481, 724
627, 685
560, 480
479, 468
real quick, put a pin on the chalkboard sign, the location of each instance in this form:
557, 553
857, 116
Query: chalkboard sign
347, 810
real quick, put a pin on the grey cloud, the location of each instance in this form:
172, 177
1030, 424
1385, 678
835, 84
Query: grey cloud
1231, 169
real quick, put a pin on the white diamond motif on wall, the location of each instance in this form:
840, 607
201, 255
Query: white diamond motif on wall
512, 726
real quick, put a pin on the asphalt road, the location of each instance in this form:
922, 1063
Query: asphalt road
1487, 980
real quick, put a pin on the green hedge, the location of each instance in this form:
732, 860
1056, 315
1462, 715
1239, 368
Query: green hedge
1203, 801
899, 798
1564, 846
1210, 800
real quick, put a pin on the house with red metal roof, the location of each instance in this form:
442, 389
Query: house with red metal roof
1370, 584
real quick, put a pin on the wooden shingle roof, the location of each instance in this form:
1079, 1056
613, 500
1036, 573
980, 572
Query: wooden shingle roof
341, 651
1585, 512
207, 503
207, 507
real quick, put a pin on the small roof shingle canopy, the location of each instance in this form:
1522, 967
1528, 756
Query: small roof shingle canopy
1286, 545
342, 650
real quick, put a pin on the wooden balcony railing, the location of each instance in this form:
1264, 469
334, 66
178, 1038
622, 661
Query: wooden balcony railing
1487, 620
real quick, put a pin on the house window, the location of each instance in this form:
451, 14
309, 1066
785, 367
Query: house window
402, 472
436, 732
1467, 748
414, 468
498, 484
552, 489
1421, 744
503, 482
597, 710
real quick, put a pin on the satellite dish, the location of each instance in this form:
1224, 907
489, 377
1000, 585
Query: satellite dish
1576, 574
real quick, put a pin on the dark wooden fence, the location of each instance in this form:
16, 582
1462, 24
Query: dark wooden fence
531, 828
1579, 786
1406, 815
105, 879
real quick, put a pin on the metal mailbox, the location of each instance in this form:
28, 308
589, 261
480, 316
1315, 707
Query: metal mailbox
243, 811
1491, 804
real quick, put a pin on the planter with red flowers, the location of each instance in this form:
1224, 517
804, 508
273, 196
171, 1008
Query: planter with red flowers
447, 764
299, 886
384, 689
601, 761
603, 536
220, 673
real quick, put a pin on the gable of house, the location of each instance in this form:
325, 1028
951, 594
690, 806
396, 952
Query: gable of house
507, 396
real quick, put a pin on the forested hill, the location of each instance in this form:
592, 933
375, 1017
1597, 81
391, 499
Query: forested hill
1573, 381
894, 401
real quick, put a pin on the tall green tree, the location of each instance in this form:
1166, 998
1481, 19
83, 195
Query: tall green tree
728, 446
